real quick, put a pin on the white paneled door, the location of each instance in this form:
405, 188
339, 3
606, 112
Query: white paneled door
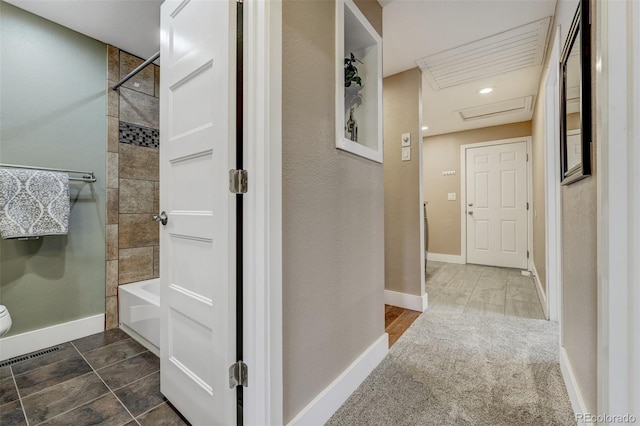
496, 211
197, 150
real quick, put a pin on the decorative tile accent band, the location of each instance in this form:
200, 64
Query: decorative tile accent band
133, 134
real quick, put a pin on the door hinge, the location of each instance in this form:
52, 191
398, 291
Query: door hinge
238, 375
527, 206
238, 181
527, 254
527, 157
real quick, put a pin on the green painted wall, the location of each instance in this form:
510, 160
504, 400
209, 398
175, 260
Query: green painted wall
53, 114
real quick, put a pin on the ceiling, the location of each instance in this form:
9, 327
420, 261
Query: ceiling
131, 25
414, 30
429, 31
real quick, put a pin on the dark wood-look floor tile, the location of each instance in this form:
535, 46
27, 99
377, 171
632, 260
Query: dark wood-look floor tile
58, 399
98, 340
105, 410
397, 327
125, 372
162, 415
115, 352
8, 391
67, 351
142, 395
391, 314
51, 375
11, 414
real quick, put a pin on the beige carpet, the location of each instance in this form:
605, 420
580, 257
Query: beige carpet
464, 369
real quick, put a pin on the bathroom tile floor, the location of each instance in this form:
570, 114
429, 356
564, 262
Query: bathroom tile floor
484, 290
106, 378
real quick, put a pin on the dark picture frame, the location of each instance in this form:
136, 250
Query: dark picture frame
575, 130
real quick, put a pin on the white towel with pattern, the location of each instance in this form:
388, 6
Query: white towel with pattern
33, 203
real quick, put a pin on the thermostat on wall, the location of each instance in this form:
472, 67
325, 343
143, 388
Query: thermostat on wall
406, 139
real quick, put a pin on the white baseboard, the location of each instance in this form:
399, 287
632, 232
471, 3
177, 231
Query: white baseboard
35, 340
575, 396
318, 411
406, 301
541, 294
447, 258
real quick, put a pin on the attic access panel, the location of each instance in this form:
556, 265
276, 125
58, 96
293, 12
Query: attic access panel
511, 50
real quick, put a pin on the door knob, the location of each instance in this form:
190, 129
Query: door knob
470, 213
162, 218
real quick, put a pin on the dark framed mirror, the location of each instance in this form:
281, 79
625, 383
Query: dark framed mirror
575, 105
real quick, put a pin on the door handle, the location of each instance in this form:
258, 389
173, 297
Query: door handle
162, 218
470, 212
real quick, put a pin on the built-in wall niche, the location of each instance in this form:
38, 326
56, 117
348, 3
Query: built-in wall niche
358, 95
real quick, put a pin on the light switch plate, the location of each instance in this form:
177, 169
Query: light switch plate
406, 154
451, 196
406, 139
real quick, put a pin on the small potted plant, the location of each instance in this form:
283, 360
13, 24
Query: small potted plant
351, 72
353, 99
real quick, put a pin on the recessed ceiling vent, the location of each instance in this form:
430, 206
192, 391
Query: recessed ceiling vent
511, 50
499, 108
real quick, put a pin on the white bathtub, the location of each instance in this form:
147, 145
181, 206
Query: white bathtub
139, 309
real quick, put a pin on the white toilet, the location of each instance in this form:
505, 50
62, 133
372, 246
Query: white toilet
5, 320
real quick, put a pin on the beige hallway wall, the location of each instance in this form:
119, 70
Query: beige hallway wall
402, 200
442, 153
579, 256
333, 223
578, 239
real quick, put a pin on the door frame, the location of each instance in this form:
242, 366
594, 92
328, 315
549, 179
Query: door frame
617, 67
463, 193
553, 199
262, 339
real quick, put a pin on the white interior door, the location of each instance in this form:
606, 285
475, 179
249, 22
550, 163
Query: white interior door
497, 227
197, 103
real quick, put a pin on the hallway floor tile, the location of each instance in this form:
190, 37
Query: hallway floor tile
481, 290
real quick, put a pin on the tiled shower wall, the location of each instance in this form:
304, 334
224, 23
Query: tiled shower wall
132, 177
